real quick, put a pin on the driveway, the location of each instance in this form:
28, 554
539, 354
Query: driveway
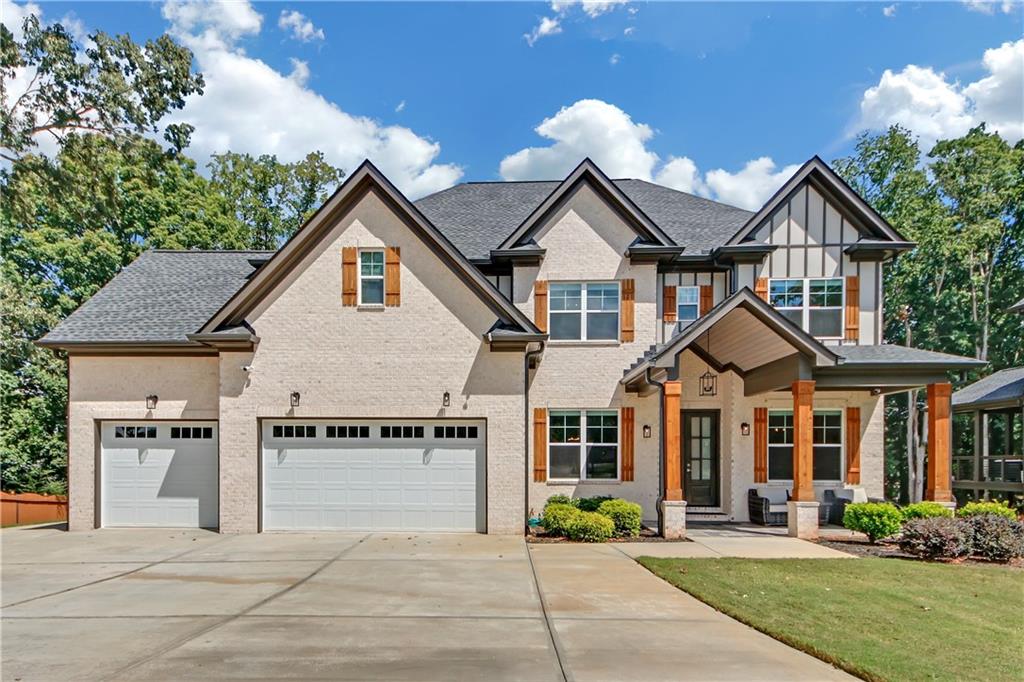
157, 604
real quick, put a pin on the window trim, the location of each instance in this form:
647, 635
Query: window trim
805, 314
361, 277
583, 312
842, 445
679, 298
582, 445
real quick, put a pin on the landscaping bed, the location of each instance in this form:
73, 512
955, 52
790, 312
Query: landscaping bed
539, 535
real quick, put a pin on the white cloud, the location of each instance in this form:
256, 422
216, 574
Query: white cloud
615, 59
889, 11
249, 106
548, 26
629, 30
401, 107
681, 173
750, 187
990, 6
301, 28
933, 107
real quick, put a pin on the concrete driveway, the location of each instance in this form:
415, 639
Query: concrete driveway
152, 604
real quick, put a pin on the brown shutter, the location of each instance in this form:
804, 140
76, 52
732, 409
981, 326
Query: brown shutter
540, 305
627, 436
349, 273
707, 297
760, 445
626, 322
540, 444
852, 308
392, 276
668, 302
853, 445
761, 288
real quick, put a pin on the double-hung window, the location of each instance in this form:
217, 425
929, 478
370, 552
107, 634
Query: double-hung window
687, 304
828, 445
584, 311
371, 277
815, 305
583, 445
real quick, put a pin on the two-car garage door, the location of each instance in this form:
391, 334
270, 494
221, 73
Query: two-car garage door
374, 475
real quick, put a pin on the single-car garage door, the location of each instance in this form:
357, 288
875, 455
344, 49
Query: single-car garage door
159, 474
425, 475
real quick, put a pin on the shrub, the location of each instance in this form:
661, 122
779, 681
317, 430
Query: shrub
998, 508
996, 537
589, 527
937, 537
625, 515
560, 499
591, 504
875, 519
557, 518
925, 510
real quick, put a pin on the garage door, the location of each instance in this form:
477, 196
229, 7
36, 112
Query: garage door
362, 475
159, 474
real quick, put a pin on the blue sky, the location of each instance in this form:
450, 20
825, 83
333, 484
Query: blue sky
684, 93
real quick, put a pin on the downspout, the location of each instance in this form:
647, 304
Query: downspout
661, 438
527, 357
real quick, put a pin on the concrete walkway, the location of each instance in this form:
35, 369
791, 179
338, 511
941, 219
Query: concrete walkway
157, 604
729, 540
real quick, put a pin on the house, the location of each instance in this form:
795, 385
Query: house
450, 363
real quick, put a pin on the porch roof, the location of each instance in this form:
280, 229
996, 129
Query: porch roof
1004, 389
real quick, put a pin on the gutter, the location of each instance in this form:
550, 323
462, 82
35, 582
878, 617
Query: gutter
527, 356
661, 437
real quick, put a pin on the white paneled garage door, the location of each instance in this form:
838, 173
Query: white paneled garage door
159, 474
425, 475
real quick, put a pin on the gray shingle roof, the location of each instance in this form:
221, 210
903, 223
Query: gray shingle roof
161, 296
1004, 387
892, 354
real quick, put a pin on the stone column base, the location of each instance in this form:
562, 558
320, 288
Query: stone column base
803, 519
673, 519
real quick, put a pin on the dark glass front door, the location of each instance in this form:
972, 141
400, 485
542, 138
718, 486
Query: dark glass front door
700, 457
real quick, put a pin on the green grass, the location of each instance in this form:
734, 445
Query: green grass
880, 619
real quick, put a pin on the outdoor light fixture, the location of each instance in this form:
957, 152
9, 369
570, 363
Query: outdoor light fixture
708, 381
295, 398
647, 430
151, 402
447, 399
744, 429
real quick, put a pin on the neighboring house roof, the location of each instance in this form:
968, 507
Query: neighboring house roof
1017, 307
1005, 388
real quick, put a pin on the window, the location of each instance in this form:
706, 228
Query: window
135, 432
828, 445
583, 444
815, 305
294, 431
371, 277
191, 432
584, 311
456, 432
401, 432
687, 304
348, 431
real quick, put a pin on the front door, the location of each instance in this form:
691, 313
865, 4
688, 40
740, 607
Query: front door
700, 457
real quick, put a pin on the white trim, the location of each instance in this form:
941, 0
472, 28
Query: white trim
695, 287
582, 446
360, 277
583, 312
805, 315
842, 446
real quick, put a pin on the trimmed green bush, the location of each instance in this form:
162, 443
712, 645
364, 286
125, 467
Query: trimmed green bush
996, 537
997, 508
558, 517
589, 527
560, 499
877, 520
937, 537
625, 515
925, 510
591, 504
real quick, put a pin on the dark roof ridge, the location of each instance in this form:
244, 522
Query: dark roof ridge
212, 250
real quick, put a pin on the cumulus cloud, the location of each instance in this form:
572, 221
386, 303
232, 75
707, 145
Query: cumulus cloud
548, 26
299, 26
990, 6
889, 11
751, 186
552, 25
249, 106
615, 59
934, 107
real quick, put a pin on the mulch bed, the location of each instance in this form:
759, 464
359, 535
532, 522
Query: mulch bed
887, 549
539, 536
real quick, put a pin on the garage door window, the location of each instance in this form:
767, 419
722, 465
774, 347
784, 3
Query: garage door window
401, 431
455, 432
192, 432
583, 445
347, 431
294, 431
134, 432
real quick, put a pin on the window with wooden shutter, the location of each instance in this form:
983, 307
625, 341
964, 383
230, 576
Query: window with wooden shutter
627, 437
760, 445
761, 288
707, 298
853, 445
852, 332
627, 322
668, 302
540, 305
540, 444
392, 276
349, 275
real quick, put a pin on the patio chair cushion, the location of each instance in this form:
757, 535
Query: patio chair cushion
775, 496
778, 508
852, 494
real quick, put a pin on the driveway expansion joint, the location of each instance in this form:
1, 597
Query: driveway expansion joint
556, 643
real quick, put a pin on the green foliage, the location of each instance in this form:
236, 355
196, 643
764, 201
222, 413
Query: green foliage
591, 504
877, 520
996, 537
557, 518
937, 537
587, 526
925, 510
560, 499
625, 515
998, 508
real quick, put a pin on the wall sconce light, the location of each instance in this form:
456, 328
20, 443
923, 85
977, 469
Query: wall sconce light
151, 401
447, 399
744, 429
647, 430
294, 398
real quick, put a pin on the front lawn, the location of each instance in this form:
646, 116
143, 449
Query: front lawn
881, 619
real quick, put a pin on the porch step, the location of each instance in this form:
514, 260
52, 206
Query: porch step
707, 516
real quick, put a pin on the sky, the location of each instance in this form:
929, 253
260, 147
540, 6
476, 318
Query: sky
723, 100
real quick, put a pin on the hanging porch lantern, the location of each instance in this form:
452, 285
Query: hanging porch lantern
708, 380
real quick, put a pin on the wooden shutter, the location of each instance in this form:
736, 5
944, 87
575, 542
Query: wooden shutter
540, 444
707, 297
349, 274
761, 288
627, 319
853, 445
668, 302
392, 276
760, 445
852, 308
540, 305
627, 436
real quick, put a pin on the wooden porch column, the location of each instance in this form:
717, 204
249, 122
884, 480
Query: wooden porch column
673, 458
939, 455
803, 441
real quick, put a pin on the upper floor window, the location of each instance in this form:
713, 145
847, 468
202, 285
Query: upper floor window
828, 445
687, 304
371, 277
584, 311
815, 305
